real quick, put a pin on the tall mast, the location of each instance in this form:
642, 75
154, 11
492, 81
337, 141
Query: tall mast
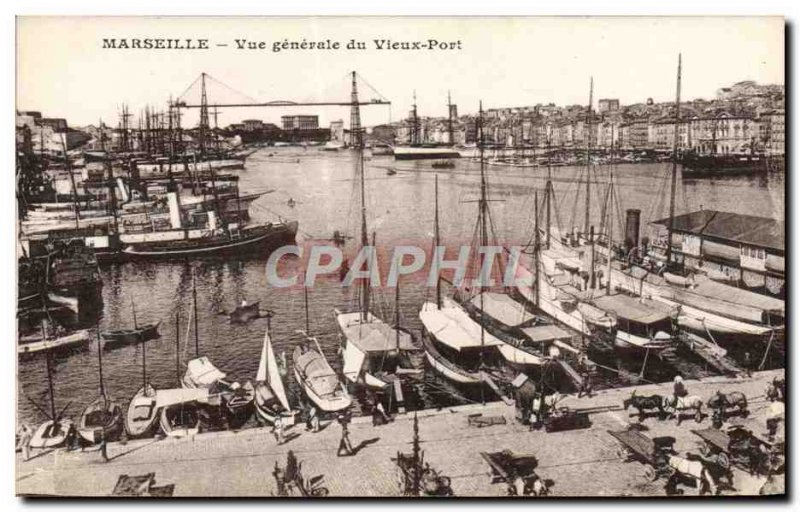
100, 364
536, 245
674, 183
397, 313
49, 378
414, 122
548, 188
588, 135
203, 114
194, 306
356, 135
449, 120
72, 183
177, 344
484, 236
610, 223
436, 239
305, 306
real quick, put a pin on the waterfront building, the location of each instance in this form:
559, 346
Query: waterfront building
749, 249
300, 122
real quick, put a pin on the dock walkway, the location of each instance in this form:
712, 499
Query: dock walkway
580, 462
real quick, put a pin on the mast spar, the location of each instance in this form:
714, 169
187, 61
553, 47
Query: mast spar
358, 142
674, 179
436, 240
588, 135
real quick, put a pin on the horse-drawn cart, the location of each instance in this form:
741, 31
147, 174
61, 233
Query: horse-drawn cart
564, 418
738, 446
653, 453
517, 471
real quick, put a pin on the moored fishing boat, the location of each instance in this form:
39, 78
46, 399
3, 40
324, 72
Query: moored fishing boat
137, 334
39, 343
318, 380
245, 312
271, 401
142, 413
102, 419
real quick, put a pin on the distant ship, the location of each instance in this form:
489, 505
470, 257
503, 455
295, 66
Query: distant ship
423, 153
696, 165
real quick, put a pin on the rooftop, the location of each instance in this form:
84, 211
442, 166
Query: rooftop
732, 227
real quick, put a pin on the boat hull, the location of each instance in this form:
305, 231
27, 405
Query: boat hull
142, 413
110, 425
128, 336
181, 420
337, 404
447, 368
44, 437
255, 242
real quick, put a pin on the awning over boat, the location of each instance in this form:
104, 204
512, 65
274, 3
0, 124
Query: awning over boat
373, 335
452, 326
502, 308
633, 309
167, 397
729, 293
202, 372
545, 333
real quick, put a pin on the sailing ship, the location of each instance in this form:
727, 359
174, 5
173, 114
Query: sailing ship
179, 408
373, 351
416, 150
102, 419
271, 401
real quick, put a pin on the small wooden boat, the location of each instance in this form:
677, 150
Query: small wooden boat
391, 172
318, 380
443, 164
51, 434
181, 409
142, 412
38, 343
102, 419
270, 400
244, 313
138, 334
447, 369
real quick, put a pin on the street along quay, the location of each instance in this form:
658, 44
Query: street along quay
577, 462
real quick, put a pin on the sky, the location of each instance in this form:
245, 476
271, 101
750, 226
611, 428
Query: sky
64, 71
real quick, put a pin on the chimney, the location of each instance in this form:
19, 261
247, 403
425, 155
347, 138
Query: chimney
632, 220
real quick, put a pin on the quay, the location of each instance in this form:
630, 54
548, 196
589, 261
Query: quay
583, 462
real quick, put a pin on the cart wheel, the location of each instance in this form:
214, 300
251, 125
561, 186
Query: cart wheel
723, 460
650, 473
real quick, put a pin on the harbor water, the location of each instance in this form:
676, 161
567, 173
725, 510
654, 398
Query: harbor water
323, 196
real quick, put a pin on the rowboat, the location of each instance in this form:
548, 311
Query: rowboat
446, 368
36, 343
180, 410
51, 434
143, 412
102, 419
138, 334
244, 313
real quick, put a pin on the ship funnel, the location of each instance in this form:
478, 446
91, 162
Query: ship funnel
632, 221
174, 210
123, 191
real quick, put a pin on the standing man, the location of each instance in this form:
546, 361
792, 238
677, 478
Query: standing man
345, 447
278, 430
103, 447
25, 442
748, 365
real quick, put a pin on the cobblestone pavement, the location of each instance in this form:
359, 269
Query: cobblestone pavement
580, 462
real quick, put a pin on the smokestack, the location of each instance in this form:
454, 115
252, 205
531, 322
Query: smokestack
174, 210
632, 220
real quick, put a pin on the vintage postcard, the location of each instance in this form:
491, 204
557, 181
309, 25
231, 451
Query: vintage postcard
385, 257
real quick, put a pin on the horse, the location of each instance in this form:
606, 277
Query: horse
676, 405
690, 471
644, 403
721, 401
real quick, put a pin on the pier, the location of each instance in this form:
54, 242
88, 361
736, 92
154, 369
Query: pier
583, 462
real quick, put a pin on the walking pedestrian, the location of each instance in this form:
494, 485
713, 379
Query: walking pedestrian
345, 447
278, 430
586, 384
